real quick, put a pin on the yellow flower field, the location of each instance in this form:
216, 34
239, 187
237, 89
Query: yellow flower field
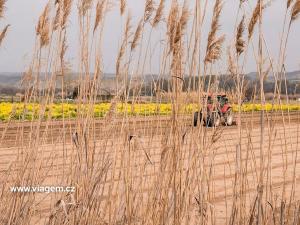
19, 111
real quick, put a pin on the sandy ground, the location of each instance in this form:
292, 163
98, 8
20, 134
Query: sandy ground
137, 162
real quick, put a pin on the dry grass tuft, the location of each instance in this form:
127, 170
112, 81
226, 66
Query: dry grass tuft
3, 33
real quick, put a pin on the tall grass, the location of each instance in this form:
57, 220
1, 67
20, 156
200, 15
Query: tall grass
155, 170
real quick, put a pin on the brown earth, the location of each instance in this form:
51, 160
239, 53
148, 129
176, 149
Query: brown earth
136, 152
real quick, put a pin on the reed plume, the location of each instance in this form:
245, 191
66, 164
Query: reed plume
122, 6
99, 13
2, 7
295, 11
137, 35
240, 43
232, 68
184, 17
63, 50
214, 50
172, 24
254, 18
289, 3
182, 24
159, 13
42, 29
57, 17
67, 5
3, 33
123, 46
149, 8
214, 44
84, 6
177, 48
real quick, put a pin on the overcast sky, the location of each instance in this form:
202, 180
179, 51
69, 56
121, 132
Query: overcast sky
16, 50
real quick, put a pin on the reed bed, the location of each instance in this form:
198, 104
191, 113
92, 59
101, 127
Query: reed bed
152, 170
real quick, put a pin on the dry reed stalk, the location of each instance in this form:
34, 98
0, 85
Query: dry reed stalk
159, 13
3, 33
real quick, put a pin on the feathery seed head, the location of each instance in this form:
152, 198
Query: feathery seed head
149, 8
214, 44
215, 50
42, 29
122, 6
137, 35
159, 13
2, 7
289, 3
240, 43
172, 24
3, 33
84, 6
295, 11
99, 13
67, 5
254, 18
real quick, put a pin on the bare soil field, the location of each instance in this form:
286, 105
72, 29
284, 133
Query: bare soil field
139, 157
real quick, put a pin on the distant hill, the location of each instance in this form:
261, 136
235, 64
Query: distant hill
291, 76
13, 78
